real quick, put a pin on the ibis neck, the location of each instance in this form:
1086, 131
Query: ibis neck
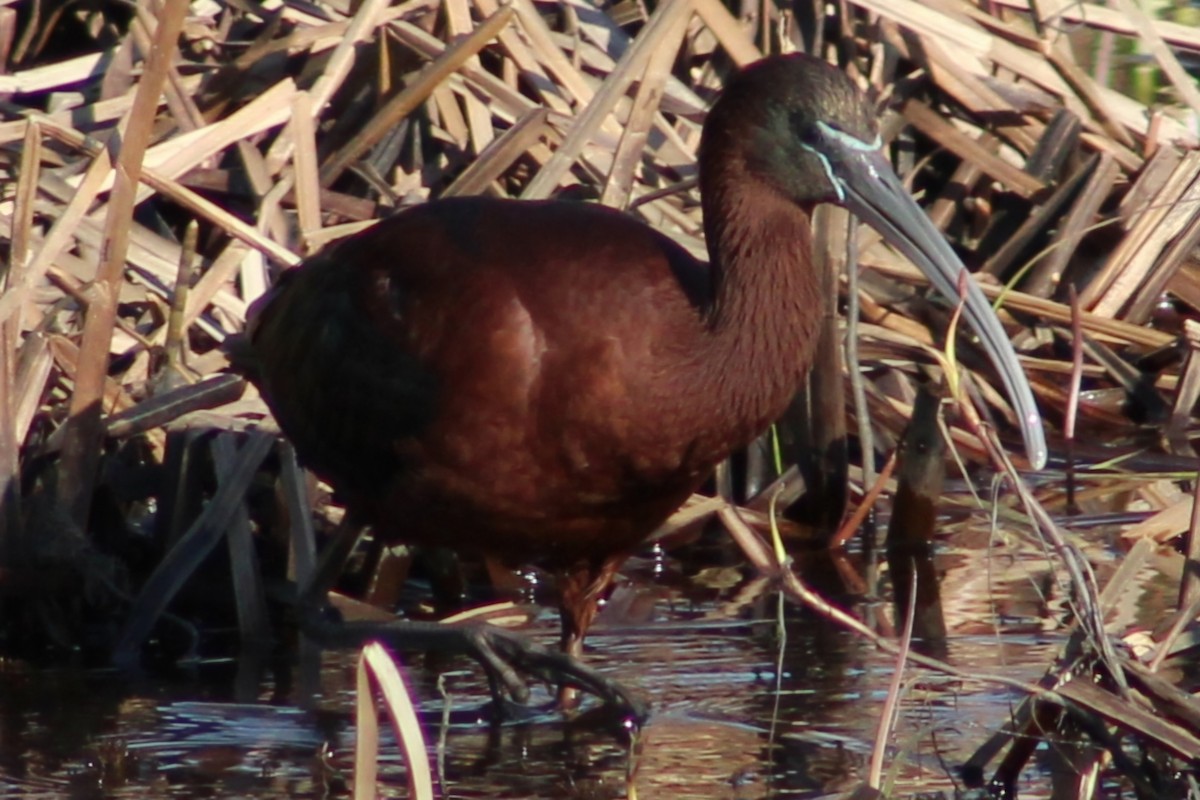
766, 298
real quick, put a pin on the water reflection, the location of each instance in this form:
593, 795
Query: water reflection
698, 638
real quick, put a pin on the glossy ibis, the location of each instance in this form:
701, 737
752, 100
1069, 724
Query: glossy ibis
547, 381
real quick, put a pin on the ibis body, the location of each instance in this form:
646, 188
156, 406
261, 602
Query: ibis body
548, 381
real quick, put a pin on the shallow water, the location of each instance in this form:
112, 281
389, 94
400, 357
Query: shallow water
735, 714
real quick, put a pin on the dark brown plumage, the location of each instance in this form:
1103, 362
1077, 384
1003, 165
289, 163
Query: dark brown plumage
549, 381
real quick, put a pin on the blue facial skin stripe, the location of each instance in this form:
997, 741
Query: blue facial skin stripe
846, 141
833, 181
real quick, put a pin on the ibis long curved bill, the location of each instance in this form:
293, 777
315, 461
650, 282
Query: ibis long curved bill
868, 187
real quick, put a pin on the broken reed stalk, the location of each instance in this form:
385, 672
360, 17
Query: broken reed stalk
377, 668
84, 429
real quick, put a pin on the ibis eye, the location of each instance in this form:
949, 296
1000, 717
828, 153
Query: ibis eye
810, 135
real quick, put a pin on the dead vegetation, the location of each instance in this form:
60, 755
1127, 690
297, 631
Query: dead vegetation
280, 126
